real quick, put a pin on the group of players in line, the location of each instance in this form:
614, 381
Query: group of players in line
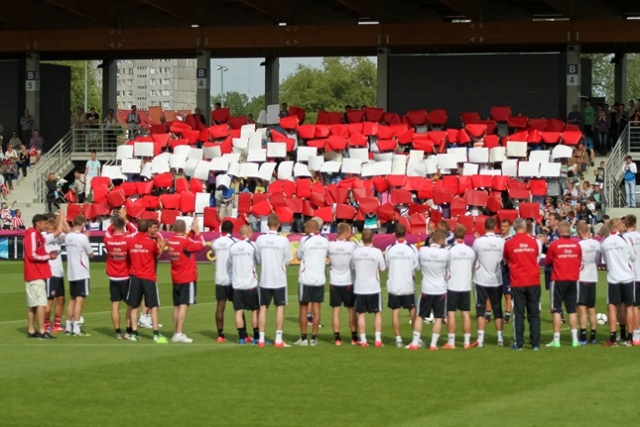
493, 266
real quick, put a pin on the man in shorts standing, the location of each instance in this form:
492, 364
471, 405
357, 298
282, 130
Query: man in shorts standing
341, 282
36, 272
619, 256
54, 238
564, 255
459, 288
633, 236
184, 273
224, 290
367, 262
402, 260
115, 242
587, 284
434, 263
312, 252
274, 253
79, 252
143, 253
241, 267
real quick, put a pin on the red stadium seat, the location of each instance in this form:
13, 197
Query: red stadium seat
510, 214
386, 145
277, 199
538, 187
169, 216
400, 197
150, 202
163, 180
355, 116
294, 203
219, 131
220, 115
368, 205
339, 130
467, 222
438, 117
170, 201
491, 141
244, 203
550, 137
329, 117
211, 218
373, 114
236, 122
387, 212
417, 117
289, 123
476, 198
380, 184
469, 118
519, 122
284, 213
458, 207
418, 223
261, 209
187, 202
370, 128
116, 198
475, 130
555, 125
306, 131
181, 184
571, 137
500, 114
345, 211
298, 112
74, 209
144, 187
325, 213
540, 124
529, 210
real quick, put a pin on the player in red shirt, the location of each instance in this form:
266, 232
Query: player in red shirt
521, 253
184, 273
143, 251
564, 255
115, 242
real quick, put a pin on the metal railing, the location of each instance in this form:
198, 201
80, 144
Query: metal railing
51, 162
101, 138
613, 169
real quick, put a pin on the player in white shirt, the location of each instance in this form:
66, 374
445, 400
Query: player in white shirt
587, 284
341, 282
224, 290
241, 267
274, 253
367, 263
619, 255
459, 288
434, 263
402, 260
79, 252
54, 238
488, 279
312, 252
633, 236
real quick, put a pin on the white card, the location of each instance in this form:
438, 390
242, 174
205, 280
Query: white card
301, 170
470, 169
240, 144
561, 151
479, 155
516, 149
459, 152
201, 171
399, 165
540, 156
143, 149
382, 157
491, 172
211, 152
223, 180
177, 162
234, 169
276, 150
131, 165
202, 201
231, 157
258, 156
182, 151
262, 117
497, 154
510, 167
195, 153
431, 165
285, 170
112, 171
530, 169
247, 130
351, 166
316, 162
146, 171
266, 172
272, 114
417, 169
550, 170
160, 164
124, 152
331, 167
359, 153
255, 141
416, 156
447, 161
191, 164
249, 170
305, 152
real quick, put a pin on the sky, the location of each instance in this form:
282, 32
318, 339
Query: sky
245, 75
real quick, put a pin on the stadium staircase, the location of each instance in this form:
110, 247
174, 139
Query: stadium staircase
628, 143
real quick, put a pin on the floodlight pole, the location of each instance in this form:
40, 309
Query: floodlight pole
222, 70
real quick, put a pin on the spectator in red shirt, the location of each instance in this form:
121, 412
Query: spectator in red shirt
115, 242
17, 222
184, 273
564, 255
144, 249
521, 253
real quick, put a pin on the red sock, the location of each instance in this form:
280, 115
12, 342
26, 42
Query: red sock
57, 321
47, 323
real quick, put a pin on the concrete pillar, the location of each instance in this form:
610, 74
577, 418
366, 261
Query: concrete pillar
203, 83
383, 77
109, 86
272, 81
573, 76
32, 87
620, 78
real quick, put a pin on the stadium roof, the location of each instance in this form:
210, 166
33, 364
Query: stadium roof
123, 28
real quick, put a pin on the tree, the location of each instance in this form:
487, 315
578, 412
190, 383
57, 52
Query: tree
339, 82
239, 103
603, 81
94, 94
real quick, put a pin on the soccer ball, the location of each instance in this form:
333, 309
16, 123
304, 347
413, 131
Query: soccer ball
429, 319
601, 319
81, 321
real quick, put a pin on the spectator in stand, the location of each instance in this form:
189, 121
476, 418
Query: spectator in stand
225, 204
35, 146
588, 118
602, 125
15, 142
24, 160
93, 119
621, 120
17, 222
574, 117
6, 215
110, 124
26, 125
92, 170
79, 184
284, 110
52, 193
11, 153
198, 116
629, 171
133, 121
79, 118
9, 170
250, 119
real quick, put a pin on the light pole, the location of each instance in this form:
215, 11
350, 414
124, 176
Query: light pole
222, 69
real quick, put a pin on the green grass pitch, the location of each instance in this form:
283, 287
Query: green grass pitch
99, 381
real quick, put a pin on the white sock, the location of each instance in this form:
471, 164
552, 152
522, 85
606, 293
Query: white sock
261, 339
363, 338
451, 339
68, 326
636, 335
480, 337
278, 336
500, 338
378, 336
416, 338
398, 338
434, 340
574, 335
76, 327
467, 339
556, 337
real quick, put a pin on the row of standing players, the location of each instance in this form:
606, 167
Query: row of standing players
449, 274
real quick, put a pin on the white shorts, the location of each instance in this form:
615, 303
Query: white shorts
36, 293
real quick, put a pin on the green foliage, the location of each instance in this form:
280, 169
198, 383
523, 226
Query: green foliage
240, 104
94, 94
339, 82
603, 76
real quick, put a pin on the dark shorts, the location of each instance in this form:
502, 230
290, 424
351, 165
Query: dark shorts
184, 293
458, 300
369, 303
311, 293
118, 289
79, 288
341, 295
506, 282
429, 303
587, 294
279, 296
246, 299
494, 294
621, 293
564, 292
637, 291
224, 293
396, 302
139, 287
55, 287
